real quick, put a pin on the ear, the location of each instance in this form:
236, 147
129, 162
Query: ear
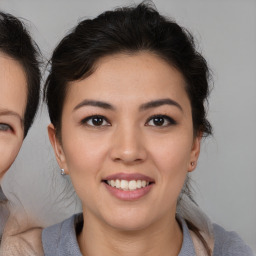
195, 151
57, 147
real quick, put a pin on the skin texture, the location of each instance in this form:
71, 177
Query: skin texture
128, 141
13, 95
20, 236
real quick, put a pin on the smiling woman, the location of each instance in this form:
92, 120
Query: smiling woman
140, 138
19, 98
125, 95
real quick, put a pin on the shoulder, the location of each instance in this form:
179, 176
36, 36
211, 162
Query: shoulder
21, 241
21, 237
60, 239
229, 243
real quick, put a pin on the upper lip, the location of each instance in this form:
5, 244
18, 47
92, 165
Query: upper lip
129, 177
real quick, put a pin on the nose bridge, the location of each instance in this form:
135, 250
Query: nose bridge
128, 144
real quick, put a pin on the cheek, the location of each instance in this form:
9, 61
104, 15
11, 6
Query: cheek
84, 160
8, 151
172, 153
171, 157
85, 155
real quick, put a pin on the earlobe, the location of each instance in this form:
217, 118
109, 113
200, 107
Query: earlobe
195, 151
59, 154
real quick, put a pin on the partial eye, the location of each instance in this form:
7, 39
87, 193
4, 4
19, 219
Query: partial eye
5, 127
96, 121
160, 120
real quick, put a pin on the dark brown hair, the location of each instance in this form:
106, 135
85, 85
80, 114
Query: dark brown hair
128, 30
16, 42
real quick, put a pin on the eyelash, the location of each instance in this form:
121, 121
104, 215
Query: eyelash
170, 121
90, 118
5, 127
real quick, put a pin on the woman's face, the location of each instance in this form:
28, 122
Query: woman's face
127, 140
12, 106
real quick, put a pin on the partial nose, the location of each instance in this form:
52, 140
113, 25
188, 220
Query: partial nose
128, 146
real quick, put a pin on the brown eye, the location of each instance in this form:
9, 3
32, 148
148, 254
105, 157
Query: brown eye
160, 121
95, 121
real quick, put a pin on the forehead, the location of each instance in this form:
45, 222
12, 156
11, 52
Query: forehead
13, 85
141, 75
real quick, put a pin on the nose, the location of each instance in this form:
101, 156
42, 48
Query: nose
128, 146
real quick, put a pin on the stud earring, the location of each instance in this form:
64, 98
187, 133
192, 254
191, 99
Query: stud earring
192, 164
62, 172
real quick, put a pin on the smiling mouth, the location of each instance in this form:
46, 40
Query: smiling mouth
128, 185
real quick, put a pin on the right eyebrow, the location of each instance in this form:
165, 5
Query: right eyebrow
7, 112
94, 103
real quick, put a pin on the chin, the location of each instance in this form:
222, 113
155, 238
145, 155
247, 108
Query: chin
129, 221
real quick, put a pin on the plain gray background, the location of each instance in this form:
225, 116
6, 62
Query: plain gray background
225, 180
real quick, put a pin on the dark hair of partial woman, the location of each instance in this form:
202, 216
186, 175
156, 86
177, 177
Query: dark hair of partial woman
128, 30
16, 43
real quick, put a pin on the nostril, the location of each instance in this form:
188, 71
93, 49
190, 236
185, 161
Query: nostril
127, 160
127, 150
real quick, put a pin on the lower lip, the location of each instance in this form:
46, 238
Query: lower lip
128, 195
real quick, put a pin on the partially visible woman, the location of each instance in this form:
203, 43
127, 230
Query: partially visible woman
125, 95
19, 100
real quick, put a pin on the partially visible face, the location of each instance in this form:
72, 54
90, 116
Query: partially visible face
13, 93
127, 140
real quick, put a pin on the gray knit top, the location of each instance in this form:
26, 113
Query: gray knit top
60, 240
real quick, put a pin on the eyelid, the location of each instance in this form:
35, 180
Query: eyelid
85, 120
170, 120
9, 127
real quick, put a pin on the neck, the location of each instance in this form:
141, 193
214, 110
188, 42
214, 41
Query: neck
162, 238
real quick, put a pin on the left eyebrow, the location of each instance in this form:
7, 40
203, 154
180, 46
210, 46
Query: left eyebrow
6, 112
94, 103
158, 103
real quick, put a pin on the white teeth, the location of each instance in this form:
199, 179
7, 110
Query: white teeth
118, 184
112, 183
132, 185
128, 185
124, 185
